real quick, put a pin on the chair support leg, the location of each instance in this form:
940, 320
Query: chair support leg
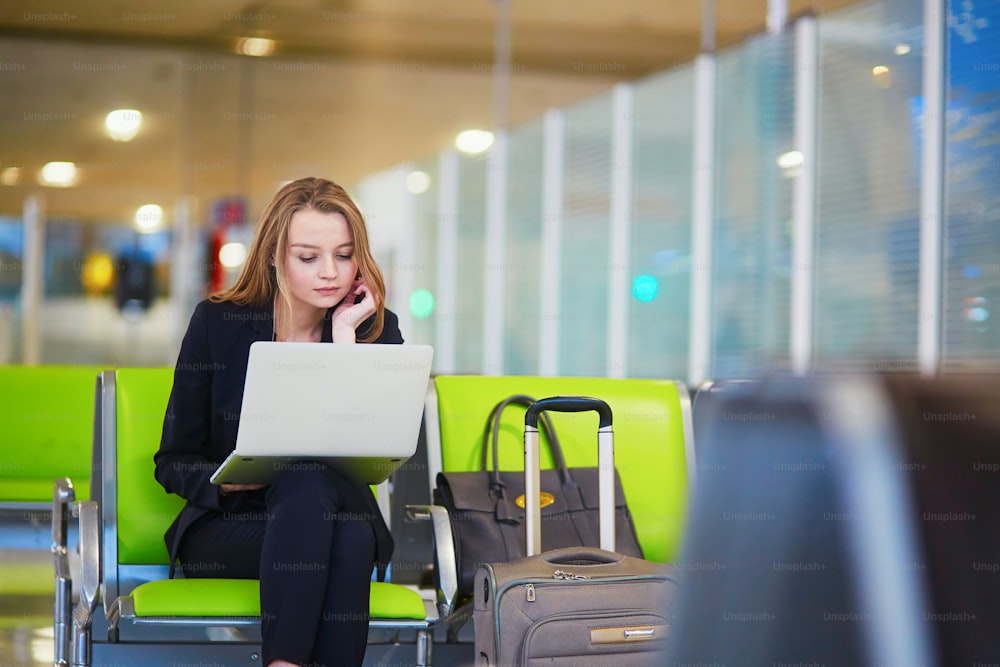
62, 627
62, 499
81, 643
83, 615
424, 647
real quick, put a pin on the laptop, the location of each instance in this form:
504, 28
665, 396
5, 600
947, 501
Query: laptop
353, 407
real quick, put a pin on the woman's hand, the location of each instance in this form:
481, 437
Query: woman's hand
229, 488
348, 315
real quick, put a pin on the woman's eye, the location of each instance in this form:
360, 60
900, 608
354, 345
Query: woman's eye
344, 257
307, 259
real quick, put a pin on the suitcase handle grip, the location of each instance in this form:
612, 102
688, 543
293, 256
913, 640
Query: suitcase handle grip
568, 404
581, 556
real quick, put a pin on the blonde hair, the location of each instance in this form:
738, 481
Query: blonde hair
261, 280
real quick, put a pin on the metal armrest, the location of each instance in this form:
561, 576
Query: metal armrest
90, 561
63, 496
444, 551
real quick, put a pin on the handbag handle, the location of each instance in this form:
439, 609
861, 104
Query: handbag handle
505, 511
493, 428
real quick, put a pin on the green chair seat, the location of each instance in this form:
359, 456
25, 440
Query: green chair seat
241, 597
37, 490
395, 601
197, 597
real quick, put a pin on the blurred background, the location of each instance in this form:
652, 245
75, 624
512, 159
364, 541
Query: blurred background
645, 188
622, 206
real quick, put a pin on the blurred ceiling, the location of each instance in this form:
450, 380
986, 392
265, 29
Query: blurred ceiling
353, 86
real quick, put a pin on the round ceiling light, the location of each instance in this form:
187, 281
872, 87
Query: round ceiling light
123, 124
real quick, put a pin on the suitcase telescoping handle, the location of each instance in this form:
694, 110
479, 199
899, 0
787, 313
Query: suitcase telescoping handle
605, 466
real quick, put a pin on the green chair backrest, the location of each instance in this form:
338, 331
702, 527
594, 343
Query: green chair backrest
144, 509
651, 423
47, 419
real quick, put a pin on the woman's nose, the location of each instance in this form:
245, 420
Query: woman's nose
327, 268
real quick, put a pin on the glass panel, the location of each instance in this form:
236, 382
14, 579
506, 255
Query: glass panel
11, 248
867, 246
972, 227
586, 226
752, 247
422, 302
522, 266
661, 226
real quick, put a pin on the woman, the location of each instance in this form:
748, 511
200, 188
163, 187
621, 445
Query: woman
312, 535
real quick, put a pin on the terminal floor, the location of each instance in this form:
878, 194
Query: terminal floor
26, 601
26, 598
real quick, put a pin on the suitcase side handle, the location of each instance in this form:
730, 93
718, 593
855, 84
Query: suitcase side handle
568, 404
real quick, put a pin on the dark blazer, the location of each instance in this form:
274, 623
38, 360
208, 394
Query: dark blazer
203, 414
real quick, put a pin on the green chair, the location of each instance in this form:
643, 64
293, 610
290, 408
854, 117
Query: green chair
47, 417
151, 619
654, 451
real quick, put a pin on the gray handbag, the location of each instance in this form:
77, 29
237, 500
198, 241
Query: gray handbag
576, 606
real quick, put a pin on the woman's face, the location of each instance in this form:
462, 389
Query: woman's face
320, 265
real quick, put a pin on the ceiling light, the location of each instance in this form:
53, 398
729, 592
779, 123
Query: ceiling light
791, 159
417, 182
10, 175
232, 255
255, 46
473, 142
883, 77
123, 124
902, 49
58, 174
148, 217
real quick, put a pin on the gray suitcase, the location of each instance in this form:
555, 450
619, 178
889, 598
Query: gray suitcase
579, 606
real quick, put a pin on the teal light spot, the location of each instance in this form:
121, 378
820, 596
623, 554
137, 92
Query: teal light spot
645, 288
421, 304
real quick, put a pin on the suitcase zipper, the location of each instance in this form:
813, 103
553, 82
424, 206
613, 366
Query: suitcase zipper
530, 592
567, 576
534, 581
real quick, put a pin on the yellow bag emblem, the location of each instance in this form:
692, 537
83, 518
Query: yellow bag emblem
544, 500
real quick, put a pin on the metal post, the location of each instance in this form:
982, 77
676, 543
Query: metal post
181, 272
553, 176
777, 15
32, 280
702, 214
406, 245
932, 190
494, 256
620, 225
447, 257
804, 204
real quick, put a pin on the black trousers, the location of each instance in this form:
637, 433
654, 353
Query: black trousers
313, 559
